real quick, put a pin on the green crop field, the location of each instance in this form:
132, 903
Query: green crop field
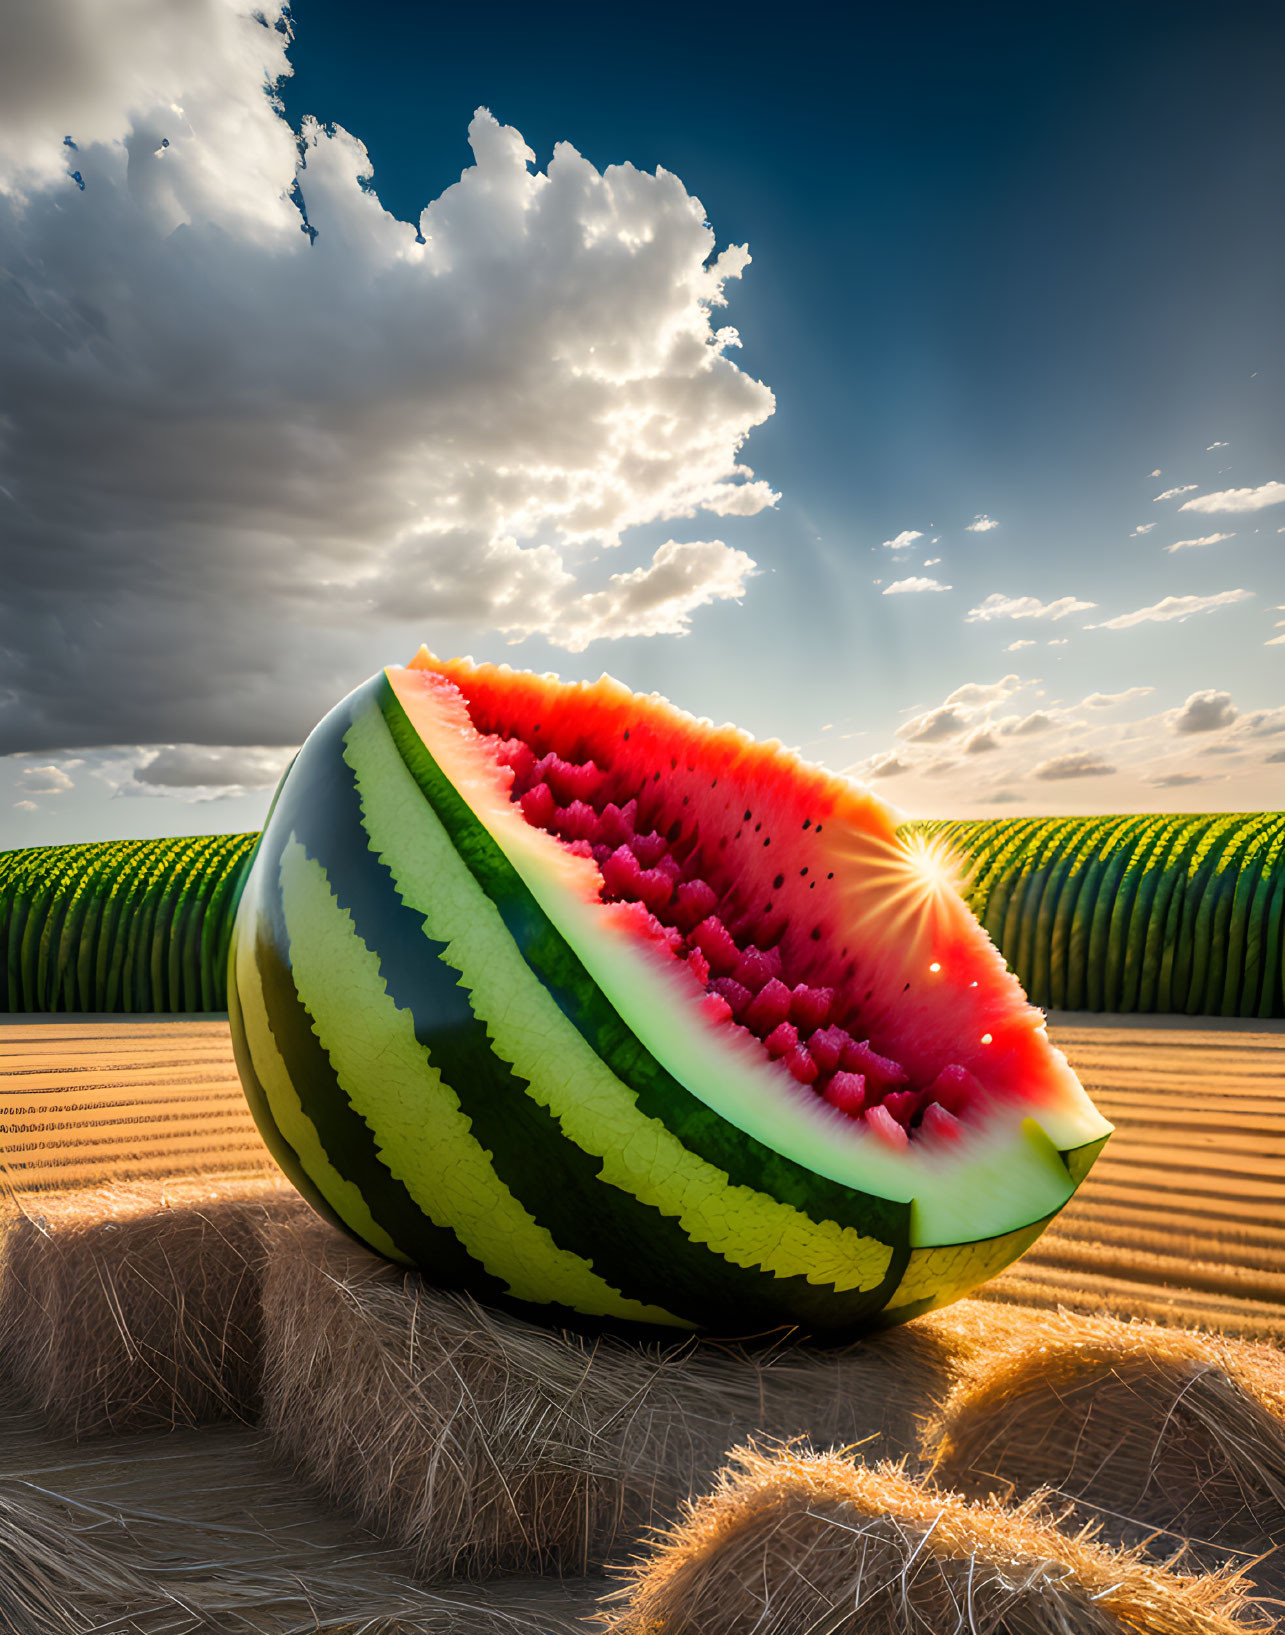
128, 925
1125, 913
1134, 913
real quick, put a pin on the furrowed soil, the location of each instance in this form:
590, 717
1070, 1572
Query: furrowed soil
1182, 1219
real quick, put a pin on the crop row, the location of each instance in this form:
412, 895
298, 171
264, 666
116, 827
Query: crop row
128, 925
1136, 913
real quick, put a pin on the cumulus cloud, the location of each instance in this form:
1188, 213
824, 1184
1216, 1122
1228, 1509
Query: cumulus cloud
659, 599
978, 742
905, 538
912, 587
1204, 712
1261, 723
1027, 725
932, 561
45, 780
981, 524
1017, 646
933, 726
1080, 764
213, 766
1172, 493
241, 445
1142, 528
1274, 641
1238, 499
998, 606
1154, 473
30, 805
1175, 607
974, 694
1190, 544
1106, 701
883, 766
1177, 780
1276, 756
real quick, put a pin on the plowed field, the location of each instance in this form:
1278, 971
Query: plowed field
1182, 1219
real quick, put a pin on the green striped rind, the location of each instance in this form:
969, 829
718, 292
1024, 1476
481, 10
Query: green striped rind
452, 1025
1134, 913
125, 925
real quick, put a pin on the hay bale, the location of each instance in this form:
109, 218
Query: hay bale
1143, 1426
189, 1532
487, 1444
137, 1307
793, 1543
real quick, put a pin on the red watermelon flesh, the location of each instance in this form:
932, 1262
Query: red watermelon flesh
783, 890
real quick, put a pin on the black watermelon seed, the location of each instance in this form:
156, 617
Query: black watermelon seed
812, 885
802, 872
686, 798
778, 882
673, 763
757, 827
767, 908
906, 989
747, 817
807, 823
767, 840
816, 937
830, 876
818, 828
626, 733
655, 777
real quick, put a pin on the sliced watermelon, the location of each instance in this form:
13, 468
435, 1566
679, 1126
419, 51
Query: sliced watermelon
574, 1000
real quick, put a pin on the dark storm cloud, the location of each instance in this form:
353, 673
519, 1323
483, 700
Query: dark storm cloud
233, 450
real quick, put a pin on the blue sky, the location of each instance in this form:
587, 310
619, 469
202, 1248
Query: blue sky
1013, 278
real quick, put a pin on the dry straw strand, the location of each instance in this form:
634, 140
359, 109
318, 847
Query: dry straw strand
135, 1307
488, 1444
790, 1543
200, 1531
1144, 1426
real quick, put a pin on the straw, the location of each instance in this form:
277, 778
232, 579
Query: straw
796, 1544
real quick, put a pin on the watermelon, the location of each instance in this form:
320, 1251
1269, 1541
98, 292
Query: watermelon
576, 1002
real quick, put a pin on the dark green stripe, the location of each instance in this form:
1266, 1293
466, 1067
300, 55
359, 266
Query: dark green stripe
747, 1162
632, 1245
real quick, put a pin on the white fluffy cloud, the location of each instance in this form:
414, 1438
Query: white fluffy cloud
213, 766
241, 448
1172, 493
904, 539
1238, 499
1078, 764
981, 524
1017, 646
998, 606
1192, 544
1106, 701
974, 694
45, 780
913, 587
1204, 712
934, 725
1175, 607
1142, 528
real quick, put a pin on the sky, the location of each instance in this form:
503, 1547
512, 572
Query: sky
908, 388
